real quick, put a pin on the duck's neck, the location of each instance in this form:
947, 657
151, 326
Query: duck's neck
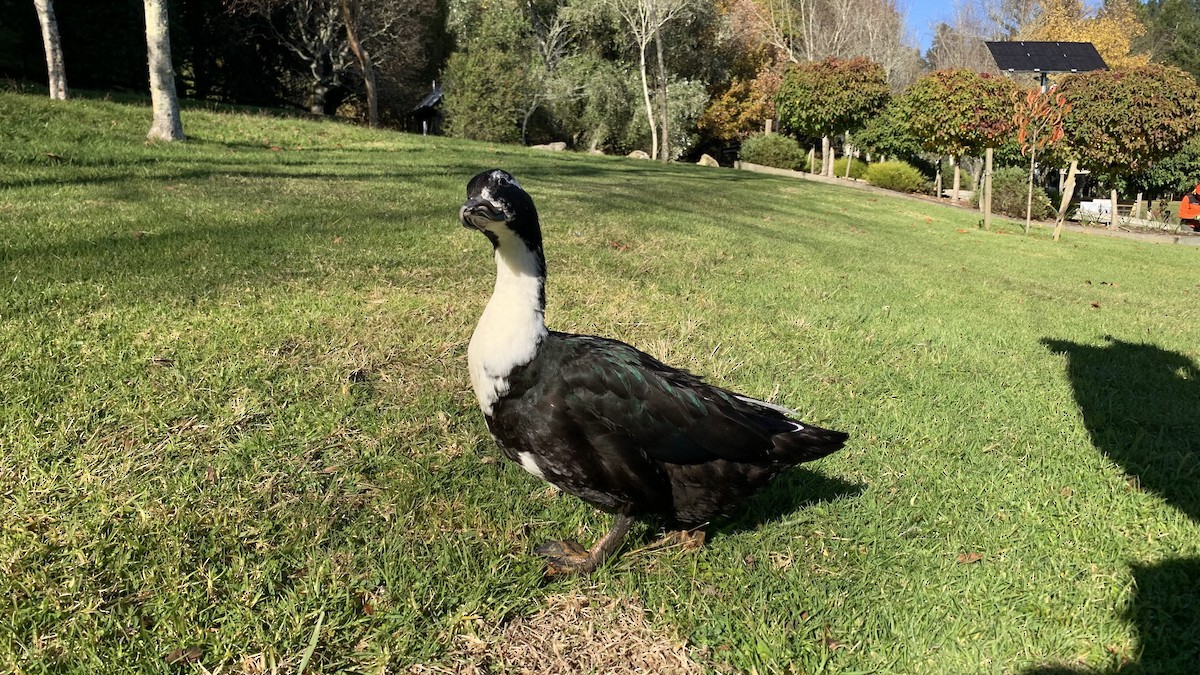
513, 324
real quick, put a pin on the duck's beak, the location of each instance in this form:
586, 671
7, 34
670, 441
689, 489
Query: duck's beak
477, 213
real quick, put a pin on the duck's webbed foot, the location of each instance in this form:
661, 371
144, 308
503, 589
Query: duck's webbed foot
687, 540
568, 557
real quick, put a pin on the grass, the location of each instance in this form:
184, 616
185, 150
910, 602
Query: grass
237, 430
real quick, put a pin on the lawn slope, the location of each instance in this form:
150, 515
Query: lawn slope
236, 428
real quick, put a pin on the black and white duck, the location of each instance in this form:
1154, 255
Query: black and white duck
601, 420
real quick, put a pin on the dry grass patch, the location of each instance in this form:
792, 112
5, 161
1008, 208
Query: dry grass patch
573, 634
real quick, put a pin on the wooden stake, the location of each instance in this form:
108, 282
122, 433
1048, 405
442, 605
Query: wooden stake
986, 198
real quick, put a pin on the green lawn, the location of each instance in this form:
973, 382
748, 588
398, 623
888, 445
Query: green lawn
237, 432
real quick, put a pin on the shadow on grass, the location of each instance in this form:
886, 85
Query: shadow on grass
1141, 405
785, 498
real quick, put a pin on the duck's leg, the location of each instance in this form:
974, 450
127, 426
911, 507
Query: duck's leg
568, 557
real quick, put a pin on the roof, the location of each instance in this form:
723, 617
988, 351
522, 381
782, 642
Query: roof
1046, 57
428, 102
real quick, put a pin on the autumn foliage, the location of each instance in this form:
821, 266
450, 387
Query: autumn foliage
1123, 121
959, 111
825, 98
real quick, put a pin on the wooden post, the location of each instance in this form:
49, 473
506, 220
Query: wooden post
769, 127
812, 159
1137, 207
849, 156
985, 200
1112, 219
954, 161
1067, 193
937, 181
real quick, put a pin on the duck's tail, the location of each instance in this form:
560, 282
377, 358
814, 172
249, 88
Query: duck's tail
808, 443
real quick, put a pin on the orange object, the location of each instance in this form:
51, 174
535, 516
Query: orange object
1189, 210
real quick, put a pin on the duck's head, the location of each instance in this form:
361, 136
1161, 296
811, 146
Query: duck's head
498, 207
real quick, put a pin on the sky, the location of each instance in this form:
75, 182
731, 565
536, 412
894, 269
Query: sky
922, 16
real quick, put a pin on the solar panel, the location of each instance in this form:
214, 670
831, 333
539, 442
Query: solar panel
1046, 57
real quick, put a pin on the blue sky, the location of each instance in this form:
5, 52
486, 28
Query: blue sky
922, 16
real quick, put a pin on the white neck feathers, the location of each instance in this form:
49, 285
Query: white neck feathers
512, 325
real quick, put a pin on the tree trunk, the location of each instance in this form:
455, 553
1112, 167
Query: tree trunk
350, 18
1112, 218
167, 125
937, 181
56, 72
812, 160
665, 136
826, 156
1068, 191
649, 107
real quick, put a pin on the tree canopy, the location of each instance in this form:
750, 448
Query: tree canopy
1123, 121
958, 111
829, 97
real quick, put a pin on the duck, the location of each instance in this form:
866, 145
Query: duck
601, 420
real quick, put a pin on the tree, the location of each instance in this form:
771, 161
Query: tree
313, 32
1038, 118
825, 98
1171, 30
887, 135
1123, 121
167, 125
644, 19
955, 112
960, 43
1112, 29
351, 16
743, 107
488, 81
55, 71
811, 30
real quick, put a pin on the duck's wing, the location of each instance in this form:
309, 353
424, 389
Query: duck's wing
628, 404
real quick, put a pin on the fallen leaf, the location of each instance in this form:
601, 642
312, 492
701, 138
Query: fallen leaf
1096, 305
1067, 492
969, 558
184, 655
338, 240
828, 641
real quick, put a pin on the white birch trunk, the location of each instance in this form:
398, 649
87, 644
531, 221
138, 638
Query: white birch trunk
167, 125
665, 153
56, 72
649, 107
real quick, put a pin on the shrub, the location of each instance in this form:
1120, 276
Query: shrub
858, 168
777, 150
899, 176
1010, 187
